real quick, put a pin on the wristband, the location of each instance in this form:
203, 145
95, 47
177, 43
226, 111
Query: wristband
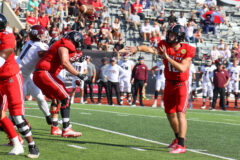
2, 61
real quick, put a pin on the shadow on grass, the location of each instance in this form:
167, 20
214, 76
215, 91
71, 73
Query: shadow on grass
70, 140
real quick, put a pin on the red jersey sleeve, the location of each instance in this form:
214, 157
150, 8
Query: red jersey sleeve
190, 52
7, 41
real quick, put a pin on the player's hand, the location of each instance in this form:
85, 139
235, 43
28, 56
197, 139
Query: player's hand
164, 52
225, 85
132, 81
145, 84
93, 80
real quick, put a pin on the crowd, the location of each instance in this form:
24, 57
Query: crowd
62, 16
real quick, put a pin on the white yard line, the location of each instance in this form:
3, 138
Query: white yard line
139, 138
138, 149
75, 146
85, 113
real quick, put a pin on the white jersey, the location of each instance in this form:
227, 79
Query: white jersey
80, 67
208, 73
113, 73
234, 73
127, 66
160, 73
29, 57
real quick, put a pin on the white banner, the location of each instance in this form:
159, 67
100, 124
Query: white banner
233, 2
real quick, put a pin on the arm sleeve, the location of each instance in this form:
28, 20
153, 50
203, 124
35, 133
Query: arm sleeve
7, 42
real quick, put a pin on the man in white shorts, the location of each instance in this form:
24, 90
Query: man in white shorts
160, 82
81, 67
233, 85
33, 50
207, 82
125, 81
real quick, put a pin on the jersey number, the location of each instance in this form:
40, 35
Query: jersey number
171, 68
25, 51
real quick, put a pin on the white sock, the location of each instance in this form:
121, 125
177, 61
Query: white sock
162, 103
31, 143
15, 140
81, 99
155, 102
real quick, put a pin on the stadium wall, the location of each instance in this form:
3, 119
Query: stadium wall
13, 20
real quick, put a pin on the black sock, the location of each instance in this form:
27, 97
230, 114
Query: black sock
156, 95
55, 123
181, 141
176, 135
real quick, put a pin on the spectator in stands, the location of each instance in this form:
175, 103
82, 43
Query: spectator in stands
134, 20
66, 22
222, 13
43, 19
103, 43
116, 29
138, 7
97, 4
208, 25
59, 12
189, 32
146, 4
105, 29
215, 54
104, 14
198, 36
164, 34
14, 4
67, 29
43, 5
91, 79
155, 39
182, 20
31, 20
79, 23
221, 79
146, 30
235, 50
118, 46
55, 32
139, 80
162, 20
172, 18
159, 6
201, 11
211, 3
18, 38
221, 45
226, 54
156, 28
33, 6
126, 9
88, 40
50, 10
72, 8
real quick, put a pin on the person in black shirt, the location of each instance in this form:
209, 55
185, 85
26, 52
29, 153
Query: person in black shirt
172, 18
162, 20
208, 25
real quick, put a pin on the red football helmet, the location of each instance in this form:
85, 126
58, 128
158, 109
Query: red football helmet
38, 33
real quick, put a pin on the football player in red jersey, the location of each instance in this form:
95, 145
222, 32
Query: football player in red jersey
177, 58
45, 77
11, 86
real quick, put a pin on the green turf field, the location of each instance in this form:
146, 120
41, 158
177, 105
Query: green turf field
133, 133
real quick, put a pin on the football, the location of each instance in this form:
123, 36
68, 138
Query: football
87, 9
